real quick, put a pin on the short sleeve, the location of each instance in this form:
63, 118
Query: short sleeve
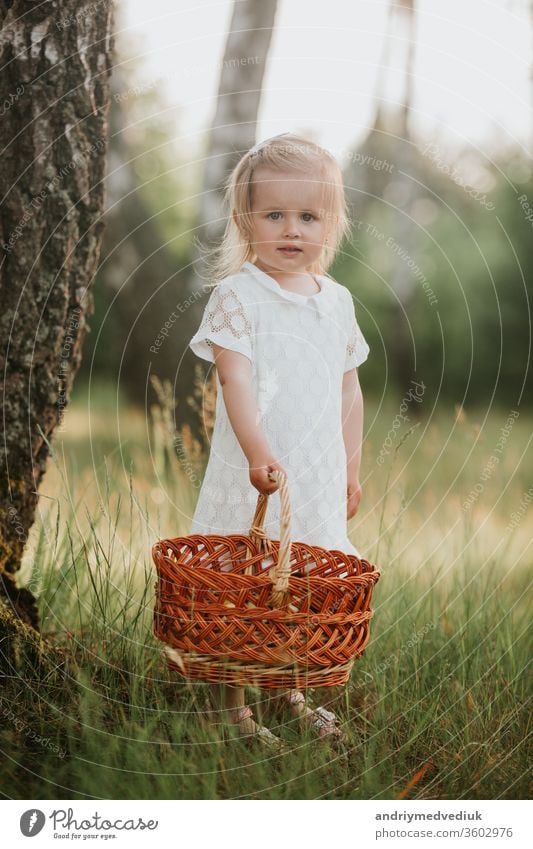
357, 348
226, 322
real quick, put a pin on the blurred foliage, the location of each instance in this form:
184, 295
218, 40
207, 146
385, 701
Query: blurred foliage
146, 247
467, 344
473, 343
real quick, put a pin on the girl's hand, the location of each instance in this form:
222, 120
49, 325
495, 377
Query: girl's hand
353, 497
259, 469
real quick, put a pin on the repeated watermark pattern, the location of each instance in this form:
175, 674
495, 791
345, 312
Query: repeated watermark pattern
37, 201
23, 728
492, 462
404, 648
432, 151
400, 252
364, 159
66, 352
526, 207
415, 393
184, 461
11, 99
181, 307
86, 12
186, 73
14, 519
517, 515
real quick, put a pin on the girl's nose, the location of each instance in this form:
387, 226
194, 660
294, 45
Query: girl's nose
291, 228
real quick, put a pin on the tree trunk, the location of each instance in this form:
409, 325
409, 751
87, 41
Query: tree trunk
390, 140
234, 126
233, 131
54, 98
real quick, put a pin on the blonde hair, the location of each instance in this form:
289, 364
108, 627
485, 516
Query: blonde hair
286, 152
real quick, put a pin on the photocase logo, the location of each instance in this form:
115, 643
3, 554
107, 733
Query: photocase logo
32, 822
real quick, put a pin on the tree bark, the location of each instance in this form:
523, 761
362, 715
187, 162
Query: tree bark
54, 98
234, 126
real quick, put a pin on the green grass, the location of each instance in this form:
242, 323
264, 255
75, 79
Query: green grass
435, 709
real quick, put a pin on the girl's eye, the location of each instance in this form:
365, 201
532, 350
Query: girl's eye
307, 216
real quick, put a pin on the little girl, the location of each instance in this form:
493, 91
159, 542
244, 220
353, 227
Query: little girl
286, 345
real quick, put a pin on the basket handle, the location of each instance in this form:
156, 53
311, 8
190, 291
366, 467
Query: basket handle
280, 573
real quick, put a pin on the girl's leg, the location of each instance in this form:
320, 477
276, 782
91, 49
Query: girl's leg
227, 701
225, 696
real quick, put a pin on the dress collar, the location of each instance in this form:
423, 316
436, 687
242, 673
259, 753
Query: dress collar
322, 301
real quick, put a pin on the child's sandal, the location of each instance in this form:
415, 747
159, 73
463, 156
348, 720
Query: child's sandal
323, 722
239, 717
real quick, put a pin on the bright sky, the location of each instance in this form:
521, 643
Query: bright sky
472, 71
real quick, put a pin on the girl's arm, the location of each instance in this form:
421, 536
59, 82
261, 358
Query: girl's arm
352, 431
235, 375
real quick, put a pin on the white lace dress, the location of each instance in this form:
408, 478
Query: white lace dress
299, 347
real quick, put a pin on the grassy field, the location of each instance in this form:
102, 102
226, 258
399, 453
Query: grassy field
435, 709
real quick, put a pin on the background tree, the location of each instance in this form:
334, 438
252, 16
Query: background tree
54, 88
234, 126
390, 139
233, 130
146, 243
161, 208
438, 227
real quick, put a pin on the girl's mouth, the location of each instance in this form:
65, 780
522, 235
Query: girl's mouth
290, 251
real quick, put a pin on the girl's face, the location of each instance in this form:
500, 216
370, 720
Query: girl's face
289, 226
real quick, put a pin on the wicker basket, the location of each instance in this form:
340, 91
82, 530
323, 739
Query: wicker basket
225, 617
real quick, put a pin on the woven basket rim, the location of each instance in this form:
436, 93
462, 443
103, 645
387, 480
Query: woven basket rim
250, 544
259, 579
